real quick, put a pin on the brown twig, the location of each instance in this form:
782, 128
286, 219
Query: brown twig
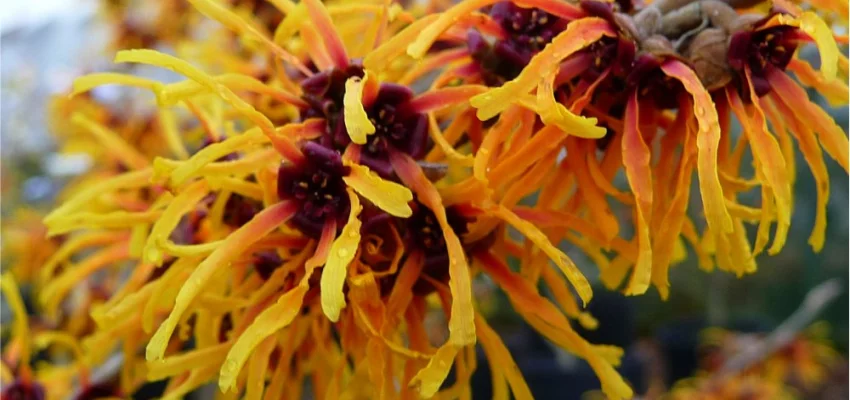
815, 301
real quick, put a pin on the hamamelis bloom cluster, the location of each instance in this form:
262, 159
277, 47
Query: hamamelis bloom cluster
652, 92
336, 201
259, 245
799, 368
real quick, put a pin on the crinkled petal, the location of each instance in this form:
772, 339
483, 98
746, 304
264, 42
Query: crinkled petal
832, 137
461, 324
636, 160
771, 163
321, 19
813, 154
835, 91
815, 27
175, 64
186, 201
564, 263
554, 113
379, 58
267, 323
357, 122
387, 195
259, 226
430, 378
708, 140
342, 251
500, 358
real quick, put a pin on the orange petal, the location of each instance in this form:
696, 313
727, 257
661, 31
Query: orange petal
500, 358
832, 137
594, 198
322, 20
667, 240
808, 145
564, 263
433, 100
546, 318
461, 325
379, 58
259, 226
835, 91
430, 33
769, 157
313, 41
636, 160
708, 139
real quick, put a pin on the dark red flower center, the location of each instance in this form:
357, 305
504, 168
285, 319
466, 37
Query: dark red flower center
759, 51
316, 185
618, 54
528, 30
397, 128
324, 92
23, 391
652, 84
97, 391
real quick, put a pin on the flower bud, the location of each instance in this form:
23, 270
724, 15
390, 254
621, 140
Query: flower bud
707, 54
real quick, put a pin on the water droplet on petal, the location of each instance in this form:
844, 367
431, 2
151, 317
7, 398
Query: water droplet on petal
229, 366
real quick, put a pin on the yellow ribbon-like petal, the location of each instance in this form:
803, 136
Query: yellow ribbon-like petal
356, 120
814, 26
554, 113
388, 196
271, 320
262, 223
341, 253
432, 376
